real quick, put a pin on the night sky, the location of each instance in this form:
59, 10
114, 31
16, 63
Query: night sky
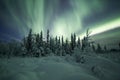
61, 17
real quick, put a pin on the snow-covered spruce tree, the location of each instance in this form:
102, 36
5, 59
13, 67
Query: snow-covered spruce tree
63, 47
35, 51
78, 55
93, 47
47, 45
83, 43
62, 42
99, 49
105, 48
77, 50
59, 41
78, 43
86, 42
56, 41
67, 47
37, 40
119, 46
29, 43
41, 45
72, 42
48, 36
38, 46
56, 45
41, 39
24, 45
52, 46
4, 49
15, 48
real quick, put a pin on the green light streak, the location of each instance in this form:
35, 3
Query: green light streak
31, 15
71, 21
41, 15
67, 24
106, 26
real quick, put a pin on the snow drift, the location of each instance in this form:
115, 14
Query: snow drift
59, 68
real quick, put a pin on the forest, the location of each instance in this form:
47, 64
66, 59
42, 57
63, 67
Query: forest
35, 45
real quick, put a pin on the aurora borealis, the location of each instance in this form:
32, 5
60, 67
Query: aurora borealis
61, 17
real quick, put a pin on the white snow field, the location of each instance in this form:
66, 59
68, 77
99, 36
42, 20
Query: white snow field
59, 68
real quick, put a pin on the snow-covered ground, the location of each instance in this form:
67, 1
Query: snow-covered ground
89, 67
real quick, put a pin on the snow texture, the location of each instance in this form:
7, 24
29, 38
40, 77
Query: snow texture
89, 67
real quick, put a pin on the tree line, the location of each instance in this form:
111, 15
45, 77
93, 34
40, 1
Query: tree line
34, 45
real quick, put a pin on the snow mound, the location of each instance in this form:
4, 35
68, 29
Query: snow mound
58, 68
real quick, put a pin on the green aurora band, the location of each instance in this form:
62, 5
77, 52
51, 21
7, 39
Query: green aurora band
40, 15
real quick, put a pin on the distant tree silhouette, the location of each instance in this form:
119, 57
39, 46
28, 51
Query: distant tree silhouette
93, 47
87, 42
41, 38
56, 41
58, 48
119, 45
99, 49
52, 44
38, 40
66, 46
48, 36
105, 48
83, 43
29, 42
63, 46
87, 38
59, 41
78, 42
72, 42
47, 44
62, 42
